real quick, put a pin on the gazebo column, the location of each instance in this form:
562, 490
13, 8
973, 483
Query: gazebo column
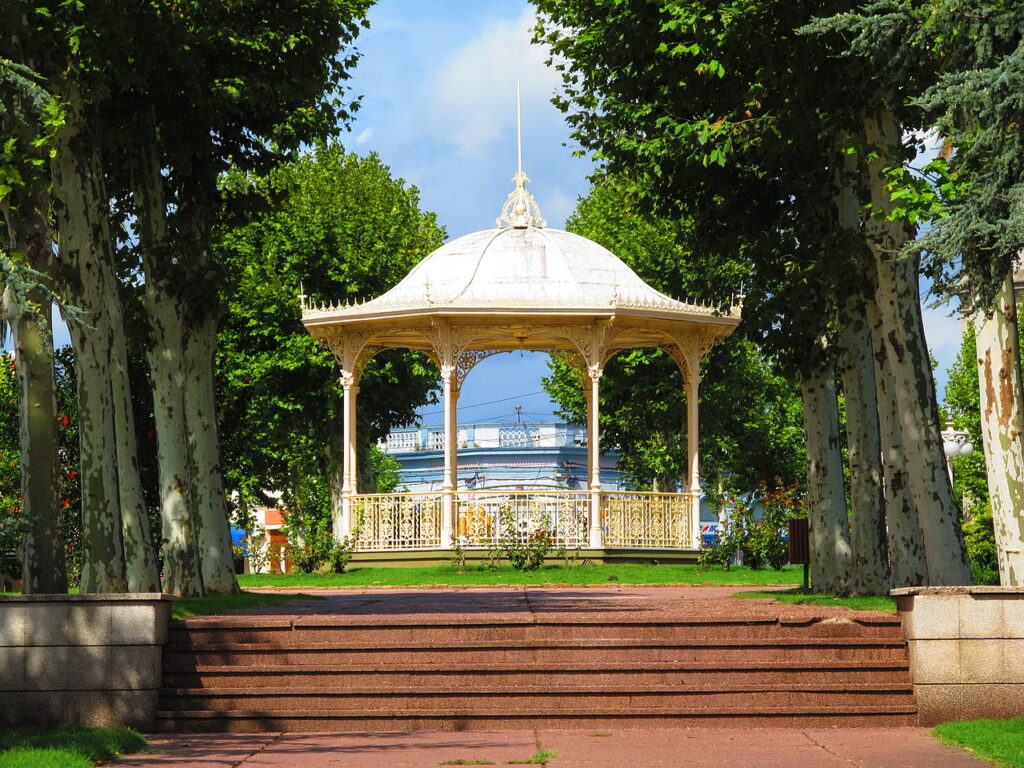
592, 393
352, 352
692, 384
451, 458
349, 477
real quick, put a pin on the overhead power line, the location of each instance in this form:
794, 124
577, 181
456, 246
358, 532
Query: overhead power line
489, 402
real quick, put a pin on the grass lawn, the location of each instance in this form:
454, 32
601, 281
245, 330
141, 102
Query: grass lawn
798, 596
1001, 741
184, 607
623, 573
68, 747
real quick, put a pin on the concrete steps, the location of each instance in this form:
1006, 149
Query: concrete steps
393, 673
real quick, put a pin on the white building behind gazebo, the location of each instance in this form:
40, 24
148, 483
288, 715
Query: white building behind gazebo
520, 286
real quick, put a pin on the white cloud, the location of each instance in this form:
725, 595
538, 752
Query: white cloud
364, 136
474, 87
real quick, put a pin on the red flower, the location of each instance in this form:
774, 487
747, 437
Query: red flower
67, 502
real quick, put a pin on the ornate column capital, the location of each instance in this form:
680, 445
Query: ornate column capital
689, 348
353, 351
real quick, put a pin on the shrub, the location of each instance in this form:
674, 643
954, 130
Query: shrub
313, 549
524, 552
980, 539
341, 552
759, 540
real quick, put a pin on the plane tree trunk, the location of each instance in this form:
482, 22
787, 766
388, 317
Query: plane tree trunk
87, 260
902, 343
1002, 428
27, 215
830, 567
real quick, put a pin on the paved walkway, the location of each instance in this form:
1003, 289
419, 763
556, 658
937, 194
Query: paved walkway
656, 748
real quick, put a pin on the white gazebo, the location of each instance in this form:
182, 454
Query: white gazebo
520, 286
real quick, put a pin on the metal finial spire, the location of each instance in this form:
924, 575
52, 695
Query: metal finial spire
519, 131
520, 209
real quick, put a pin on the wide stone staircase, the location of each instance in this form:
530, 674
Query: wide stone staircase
323, 672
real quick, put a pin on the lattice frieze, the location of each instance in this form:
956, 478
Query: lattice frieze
594, 342
689, 349
468, 360
575, 362
449, 343
352, 351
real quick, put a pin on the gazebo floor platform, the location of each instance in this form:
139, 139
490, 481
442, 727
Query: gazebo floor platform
529, 657
416, 558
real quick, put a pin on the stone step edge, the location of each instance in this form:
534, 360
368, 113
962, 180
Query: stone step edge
532, 690
490, 714
567, 642
853, 665
334, 621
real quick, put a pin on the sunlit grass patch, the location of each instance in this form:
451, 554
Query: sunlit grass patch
800, 596
68, 747
184, 607
482, 575
1001, 741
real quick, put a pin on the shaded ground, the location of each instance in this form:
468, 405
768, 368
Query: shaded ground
515, 602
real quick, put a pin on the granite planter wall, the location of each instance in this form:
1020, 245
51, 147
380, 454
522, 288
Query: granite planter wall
81, 659
966, 651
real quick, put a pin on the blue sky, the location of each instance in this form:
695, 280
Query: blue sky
438, 84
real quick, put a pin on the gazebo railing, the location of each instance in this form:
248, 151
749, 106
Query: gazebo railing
638, 520
392, 521
484, 518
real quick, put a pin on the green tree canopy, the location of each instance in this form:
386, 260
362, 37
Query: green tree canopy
751, 418
334, 226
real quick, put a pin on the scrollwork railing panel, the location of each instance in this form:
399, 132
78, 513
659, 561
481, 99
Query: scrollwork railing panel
397, 521
480, 517
647, 520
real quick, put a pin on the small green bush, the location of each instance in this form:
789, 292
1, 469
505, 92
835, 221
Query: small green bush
313, 549
759, 540
980, 539
524, 551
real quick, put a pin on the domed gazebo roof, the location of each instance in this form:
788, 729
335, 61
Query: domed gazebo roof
528, 269
521, 285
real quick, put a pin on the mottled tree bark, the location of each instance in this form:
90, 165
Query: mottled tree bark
213, 533
826, 501
182, 575
1002, 428
864, 454
904, 346
167, 364
86, 253
857, 371
906, 544
26, 213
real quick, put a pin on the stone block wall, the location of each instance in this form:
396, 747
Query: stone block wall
91, 660
966, 651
